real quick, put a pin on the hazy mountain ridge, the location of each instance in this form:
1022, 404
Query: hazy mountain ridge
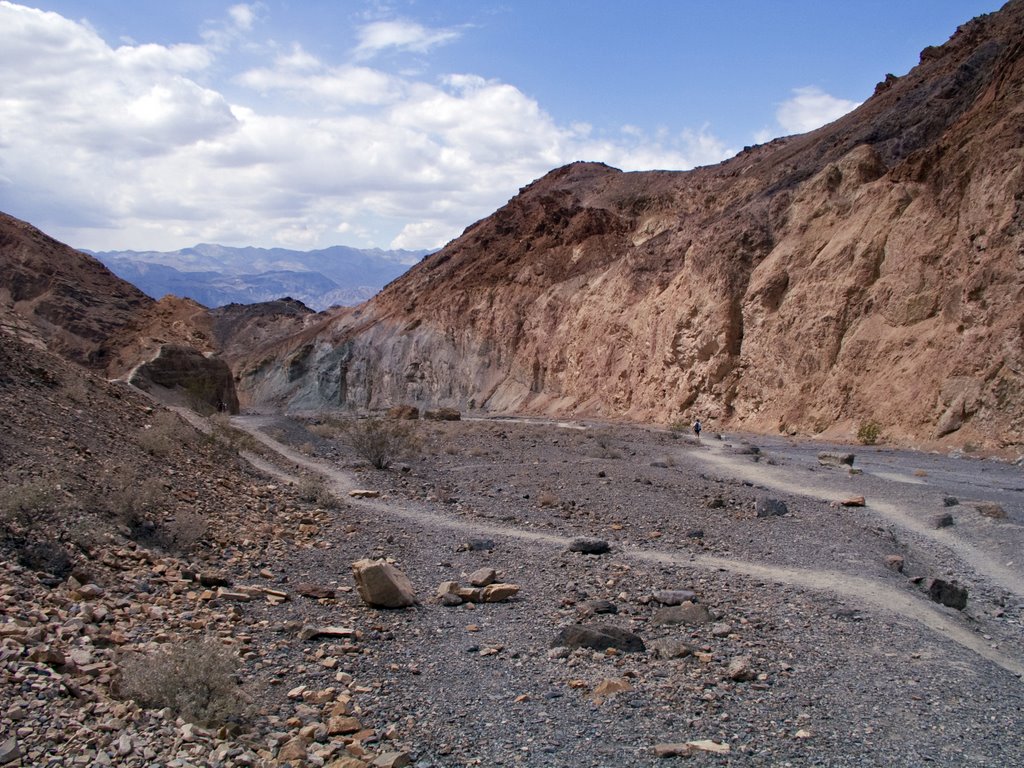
216, 275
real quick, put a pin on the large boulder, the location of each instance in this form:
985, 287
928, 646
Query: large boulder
205, 380
381, 585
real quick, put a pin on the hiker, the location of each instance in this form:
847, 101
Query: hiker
697, 428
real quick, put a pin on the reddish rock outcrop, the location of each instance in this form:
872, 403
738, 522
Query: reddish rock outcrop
870, 269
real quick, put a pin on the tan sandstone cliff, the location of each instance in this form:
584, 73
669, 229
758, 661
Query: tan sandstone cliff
869, 270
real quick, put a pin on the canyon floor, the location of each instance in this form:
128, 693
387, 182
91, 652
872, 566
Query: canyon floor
820, 644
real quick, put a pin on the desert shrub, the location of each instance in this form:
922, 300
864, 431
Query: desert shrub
315, 491
45, 555
234, 439
21, 506
183, 532
603, 448
329, 428
196, 678
166, 433
131, 499
869, 432
381, 441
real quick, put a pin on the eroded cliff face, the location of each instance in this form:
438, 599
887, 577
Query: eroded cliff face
870, 270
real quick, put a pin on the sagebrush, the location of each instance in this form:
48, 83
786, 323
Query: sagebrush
382, 441
197, 678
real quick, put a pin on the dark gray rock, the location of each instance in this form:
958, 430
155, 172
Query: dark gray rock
591, 607
599, 637
948, 593
769, 507
478, 544
950, 501
589, 546
827, 459
944, 520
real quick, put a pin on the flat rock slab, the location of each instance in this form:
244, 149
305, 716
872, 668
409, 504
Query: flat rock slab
674, 596
688, 613
828, 459
364, 493
854, 501
314, 591
589, 546
599, 637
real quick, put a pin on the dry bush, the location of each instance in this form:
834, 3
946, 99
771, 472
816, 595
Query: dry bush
131, 498
22, 505
315, 491
196, 678
166, 433
329, 428
603, 448
183, 532
26, 515
235, 439
381, 441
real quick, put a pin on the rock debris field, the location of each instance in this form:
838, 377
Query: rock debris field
585, 595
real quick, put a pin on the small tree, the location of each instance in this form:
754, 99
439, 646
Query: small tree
869, 432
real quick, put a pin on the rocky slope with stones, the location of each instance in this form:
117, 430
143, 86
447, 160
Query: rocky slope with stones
867, 271
749, 640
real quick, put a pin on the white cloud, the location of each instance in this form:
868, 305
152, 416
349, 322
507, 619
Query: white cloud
243, 16
137, 147
810, 108
402, 35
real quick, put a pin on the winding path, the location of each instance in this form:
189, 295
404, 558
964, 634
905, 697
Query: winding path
866, 591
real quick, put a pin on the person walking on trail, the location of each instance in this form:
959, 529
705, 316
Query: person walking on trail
697, 428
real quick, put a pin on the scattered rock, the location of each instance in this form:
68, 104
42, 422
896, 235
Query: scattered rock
499, 593
950, 501
769, 507
477, 545
688, 613
9, 751
392, 760
740, 669
853, 501
674, 596
315, 591
721, 629
381, 585
591, 607
670, 648
599, 637
827, 459
948, 593
944, 520
589, 546
609, 687
364, 493
482, 577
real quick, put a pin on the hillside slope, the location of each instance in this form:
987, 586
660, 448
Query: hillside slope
869, 270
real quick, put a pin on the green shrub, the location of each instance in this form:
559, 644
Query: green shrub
315, 491
196, 678
869, 432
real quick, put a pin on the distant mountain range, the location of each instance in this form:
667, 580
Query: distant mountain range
215, 275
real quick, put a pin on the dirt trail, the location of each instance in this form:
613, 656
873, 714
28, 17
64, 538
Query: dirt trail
741, 467
867, 592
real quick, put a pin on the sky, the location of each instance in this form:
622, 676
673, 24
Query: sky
397, 123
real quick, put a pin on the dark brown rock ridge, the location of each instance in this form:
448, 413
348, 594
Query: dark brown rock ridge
868, 270
66, 301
